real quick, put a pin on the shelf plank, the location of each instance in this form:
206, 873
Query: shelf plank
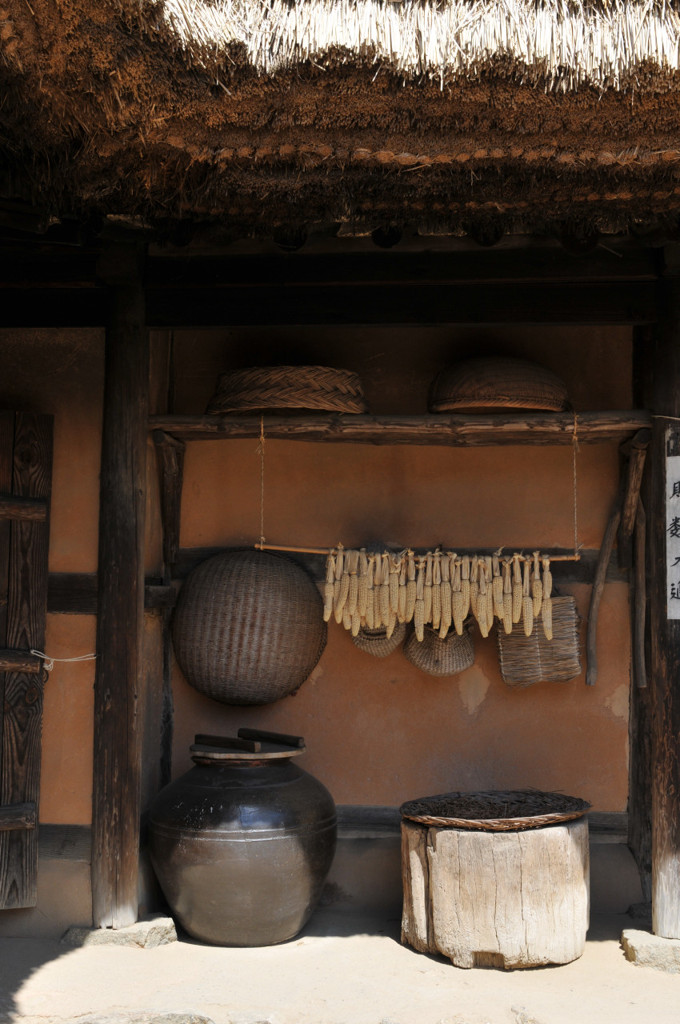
454, 430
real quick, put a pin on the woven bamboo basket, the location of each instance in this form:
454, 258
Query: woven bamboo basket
376, 641
497, 383
274, 389
495, 810
440, 657
248, 627
533, 659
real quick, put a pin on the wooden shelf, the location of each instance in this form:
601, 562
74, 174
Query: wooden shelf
455, 430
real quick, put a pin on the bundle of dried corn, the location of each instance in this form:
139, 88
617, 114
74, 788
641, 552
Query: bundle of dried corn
378, 590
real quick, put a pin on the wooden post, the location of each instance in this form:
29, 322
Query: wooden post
663, 400
118, 683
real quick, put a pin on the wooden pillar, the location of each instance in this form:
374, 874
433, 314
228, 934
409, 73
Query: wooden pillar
663, 399
118, 682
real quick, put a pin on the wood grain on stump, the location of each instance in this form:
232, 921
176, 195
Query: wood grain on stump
496, 899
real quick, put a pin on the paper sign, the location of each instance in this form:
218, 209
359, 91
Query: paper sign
673, 536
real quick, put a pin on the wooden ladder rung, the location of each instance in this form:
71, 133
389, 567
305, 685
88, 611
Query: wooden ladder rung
18, 816
13, 506
20, 661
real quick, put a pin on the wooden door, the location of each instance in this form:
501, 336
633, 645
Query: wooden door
25, 481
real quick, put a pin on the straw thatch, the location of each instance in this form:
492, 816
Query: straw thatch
466, 115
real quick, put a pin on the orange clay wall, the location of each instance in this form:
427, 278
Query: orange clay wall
378, 731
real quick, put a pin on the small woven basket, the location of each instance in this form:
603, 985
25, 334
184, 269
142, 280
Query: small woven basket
533, 659
511, 810
497, 383
274, 389
376, 641
440, 657
248, 627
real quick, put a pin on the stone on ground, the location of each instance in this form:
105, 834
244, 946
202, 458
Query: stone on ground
647, 950
146, 934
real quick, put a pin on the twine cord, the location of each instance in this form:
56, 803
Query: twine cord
49, 660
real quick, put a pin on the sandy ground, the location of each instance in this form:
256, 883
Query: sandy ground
340, 970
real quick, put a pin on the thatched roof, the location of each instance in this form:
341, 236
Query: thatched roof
500, 114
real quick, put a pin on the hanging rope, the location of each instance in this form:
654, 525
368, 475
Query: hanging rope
49, 661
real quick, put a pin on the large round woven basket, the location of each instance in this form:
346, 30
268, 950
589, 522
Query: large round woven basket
497, 383
495, 810
377, 642
248, 627
274, 389
440, 657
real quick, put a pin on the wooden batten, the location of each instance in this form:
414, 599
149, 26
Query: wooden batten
118, 689
663, 711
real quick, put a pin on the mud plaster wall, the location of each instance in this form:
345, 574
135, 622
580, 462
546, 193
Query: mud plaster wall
379, 731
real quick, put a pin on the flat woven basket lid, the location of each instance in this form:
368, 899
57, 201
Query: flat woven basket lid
280, 388
495, 810
497, 383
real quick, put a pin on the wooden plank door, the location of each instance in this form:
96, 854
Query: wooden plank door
25, 482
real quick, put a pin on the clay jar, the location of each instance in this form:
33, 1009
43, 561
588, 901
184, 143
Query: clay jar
242, 845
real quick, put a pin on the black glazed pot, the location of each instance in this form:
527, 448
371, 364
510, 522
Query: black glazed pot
242, 845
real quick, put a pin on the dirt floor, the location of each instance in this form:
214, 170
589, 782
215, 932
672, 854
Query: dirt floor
341, 970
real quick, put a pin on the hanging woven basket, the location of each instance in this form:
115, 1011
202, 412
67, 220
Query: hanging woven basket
274, 389
440, 657
248, 627
533, 659
377, 642
478, 385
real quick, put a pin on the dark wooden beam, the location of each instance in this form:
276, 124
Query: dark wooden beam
18, 508
463, 431
635, 453
613, 303
20, 661
118, 686
664, 671
18, 816
170, 453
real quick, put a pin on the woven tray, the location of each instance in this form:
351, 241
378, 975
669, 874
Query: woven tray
497, 383
440, 657
274, 389
511, 810
376, 641
525, 660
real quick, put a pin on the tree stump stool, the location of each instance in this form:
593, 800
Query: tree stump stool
496, 898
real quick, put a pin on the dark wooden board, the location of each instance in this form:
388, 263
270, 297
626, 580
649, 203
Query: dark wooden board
26, 615
17, 817
13, 507
502, 428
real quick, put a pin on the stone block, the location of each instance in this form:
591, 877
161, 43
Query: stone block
647, 950
145, 934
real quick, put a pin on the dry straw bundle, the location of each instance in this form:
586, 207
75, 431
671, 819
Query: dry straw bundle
440, 589
562, 44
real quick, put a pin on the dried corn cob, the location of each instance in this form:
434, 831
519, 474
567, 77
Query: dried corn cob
356, 624
346, 618
445, 589
385, 589
507, 595
342, 593
437, 590
395, 566
339, 565
370, 604
427, 589
547, 577
363, 583
474, 584
390, 624
546, 617
465, 584
480, 610
458, 608
353, 592
488, 562
516, 589
410, 586
536, 586
329, 587
497, 585
419, 610
527, 601
401, 603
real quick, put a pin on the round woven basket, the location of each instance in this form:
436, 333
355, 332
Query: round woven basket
248, 627
376, 641
497, 383
510, 810
440, 657
282, 388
